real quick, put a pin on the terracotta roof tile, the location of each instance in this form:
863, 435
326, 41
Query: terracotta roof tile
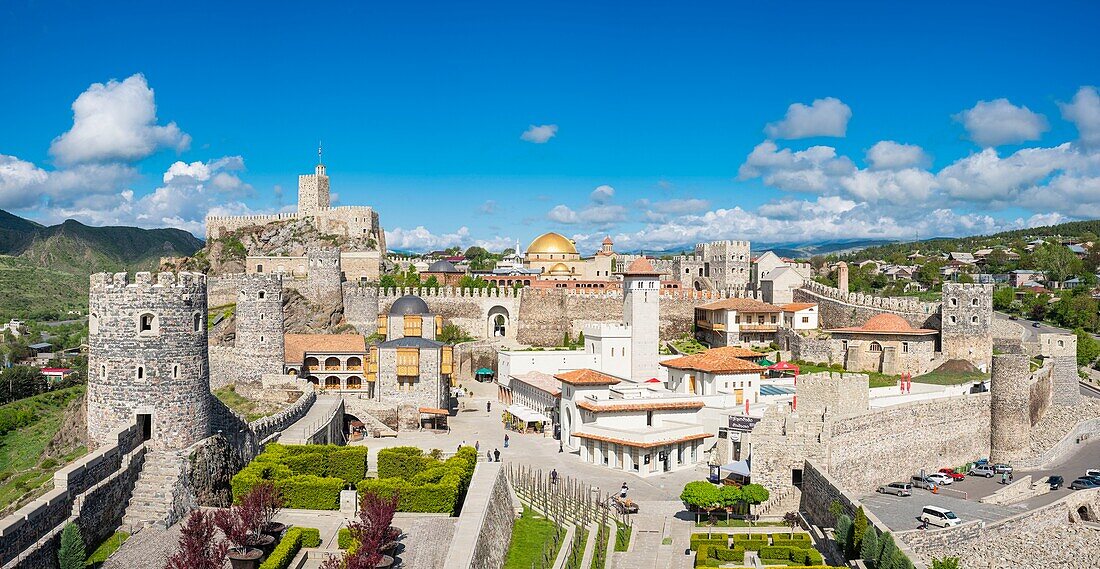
741, 305
796, 306
296, 345
638, 406
716, 360
644, 445
539, 380
587, 377
641, 267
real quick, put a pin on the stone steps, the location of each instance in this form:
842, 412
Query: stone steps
152, 496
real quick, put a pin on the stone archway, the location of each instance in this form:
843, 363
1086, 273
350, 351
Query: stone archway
498, 322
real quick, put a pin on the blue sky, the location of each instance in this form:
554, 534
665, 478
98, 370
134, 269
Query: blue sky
659, 114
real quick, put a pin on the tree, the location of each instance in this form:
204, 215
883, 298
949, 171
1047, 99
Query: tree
700, 495
1088, 349
754, 494
843, 531
1057, 261
432, 282
886, 551
945, 563
19, 382
929, 273
580, 338
859, 528
1003, 297
791, 520
197, 546
869, 548
729, 497
71, 555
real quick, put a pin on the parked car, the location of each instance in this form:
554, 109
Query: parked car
918, 482
1013, 317
939, 517
1092, 472
1083, 484
940, 479
954, 475
897, 489
1095, 479
1001, 468
981, 461
1034, 324
1055, 482
981, 470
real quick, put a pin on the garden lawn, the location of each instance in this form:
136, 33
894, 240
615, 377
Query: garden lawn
951, 377
529, 535
874, 378
622, 536
251, 410
23, 472
106, 548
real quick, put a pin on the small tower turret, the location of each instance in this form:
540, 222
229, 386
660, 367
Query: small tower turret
642, 312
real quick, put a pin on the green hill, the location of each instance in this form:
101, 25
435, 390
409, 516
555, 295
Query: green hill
44, 270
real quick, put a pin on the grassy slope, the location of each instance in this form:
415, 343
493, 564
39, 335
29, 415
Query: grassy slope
22, 470
106, 548
252, 410
29, 290
529, 534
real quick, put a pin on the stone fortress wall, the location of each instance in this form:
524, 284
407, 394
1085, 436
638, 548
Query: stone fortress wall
839, 309
147, 355
92, 492
258, 344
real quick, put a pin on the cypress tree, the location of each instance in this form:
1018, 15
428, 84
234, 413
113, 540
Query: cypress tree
859, 529
843, 531
868, 550
71, 554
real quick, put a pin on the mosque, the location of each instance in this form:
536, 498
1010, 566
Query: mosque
559, 260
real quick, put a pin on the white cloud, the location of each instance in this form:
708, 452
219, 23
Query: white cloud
997, 122
985, 176
810, 170
420, 238
602, 194
890, 155
823, 117
539, 134
1084, 112
909, 186
116, 122
18, 181
562, 213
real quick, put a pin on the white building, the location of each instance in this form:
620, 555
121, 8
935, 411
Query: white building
718, 371
800, 315
538, 392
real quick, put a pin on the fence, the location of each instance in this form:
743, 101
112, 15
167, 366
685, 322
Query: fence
567, 501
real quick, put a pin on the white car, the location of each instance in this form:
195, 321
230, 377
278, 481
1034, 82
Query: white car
940, 479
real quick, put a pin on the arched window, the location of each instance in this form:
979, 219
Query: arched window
973, 319
175, 371
141, 372
102, 372
332, 382
954, 301
261, 339
332, 364
147, 324
261, 295
261, 316
974, 302
196, 322
875, 347
952, 319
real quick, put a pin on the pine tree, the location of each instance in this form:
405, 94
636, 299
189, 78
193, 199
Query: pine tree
859, 529
843, 531
885, 551
868, 550
71, 554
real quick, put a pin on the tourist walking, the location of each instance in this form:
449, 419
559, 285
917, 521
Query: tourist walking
477, 446
488, 406
1004, 478
505, 440
554, 476
622, 491
496, 454
489, 456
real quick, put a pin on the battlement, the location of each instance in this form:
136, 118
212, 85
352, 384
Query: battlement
105, 282
872, 301
257, 217
350, 208
440, 292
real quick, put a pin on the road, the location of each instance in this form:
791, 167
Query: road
901, 513
1031, 332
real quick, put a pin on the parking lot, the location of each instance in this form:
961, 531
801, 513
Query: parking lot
900, 513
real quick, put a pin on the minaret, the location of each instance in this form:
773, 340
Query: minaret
313, 190
642, 312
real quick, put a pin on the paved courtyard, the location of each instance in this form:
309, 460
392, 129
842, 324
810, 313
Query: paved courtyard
474, 425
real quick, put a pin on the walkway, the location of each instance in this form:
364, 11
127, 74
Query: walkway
318, 415
655, 523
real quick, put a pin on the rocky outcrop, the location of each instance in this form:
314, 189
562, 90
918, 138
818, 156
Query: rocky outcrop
300, 316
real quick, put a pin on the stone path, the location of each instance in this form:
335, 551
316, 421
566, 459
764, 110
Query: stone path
146, 549
654, 522
303, 429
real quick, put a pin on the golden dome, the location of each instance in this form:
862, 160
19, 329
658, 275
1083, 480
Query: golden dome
551, 243
560, 270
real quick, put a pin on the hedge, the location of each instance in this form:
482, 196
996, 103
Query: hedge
422, 483
799, 555
309, 476
293, 540
343, 538
716, 541
750, 536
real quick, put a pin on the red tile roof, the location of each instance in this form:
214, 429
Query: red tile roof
641, 267
886, 324
587, 377
296, 345
796, 306
638, 406
730, 359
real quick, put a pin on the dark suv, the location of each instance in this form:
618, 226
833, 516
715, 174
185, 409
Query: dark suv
1055, 482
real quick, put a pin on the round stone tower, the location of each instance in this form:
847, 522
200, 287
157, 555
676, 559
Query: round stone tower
1010, 395
259, 332
324, 276
147, 357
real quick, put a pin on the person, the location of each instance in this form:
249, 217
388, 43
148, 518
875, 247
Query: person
496, 454
622, 491
505, 440
561, 447
477, 446
489, 456
554, 476
488, 406
1010, 477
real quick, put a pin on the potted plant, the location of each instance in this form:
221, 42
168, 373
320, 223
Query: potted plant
197, 547
270, 503
238, 523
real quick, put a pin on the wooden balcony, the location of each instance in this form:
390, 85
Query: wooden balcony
716, 326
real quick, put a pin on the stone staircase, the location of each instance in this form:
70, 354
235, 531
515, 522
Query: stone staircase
376, 428
151, 501
780, 503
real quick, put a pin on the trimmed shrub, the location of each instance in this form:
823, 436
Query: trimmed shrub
349, 464
750, 536
426, 485
311, 492
311, 537
716, 541
400, 462
285, 551
343, 538
309, 476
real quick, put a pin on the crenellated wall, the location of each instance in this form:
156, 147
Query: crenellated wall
841, 309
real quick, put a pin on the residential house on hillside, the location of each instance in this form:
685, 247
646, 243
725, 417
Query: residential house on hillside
1021, 277
961, 257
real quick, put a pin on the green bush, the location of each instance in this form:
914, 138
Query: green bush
343, 538
309, 476
717, 540
400, 462
750, 536
349, 464
311, 537
285, 551
309, 492
424, 483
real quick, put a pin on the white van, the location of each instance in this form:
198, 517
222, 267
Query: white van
939, 517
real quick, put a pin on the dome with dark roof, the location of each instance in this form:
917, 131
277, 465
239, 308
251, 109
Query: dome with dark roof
443, 266
408, 304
